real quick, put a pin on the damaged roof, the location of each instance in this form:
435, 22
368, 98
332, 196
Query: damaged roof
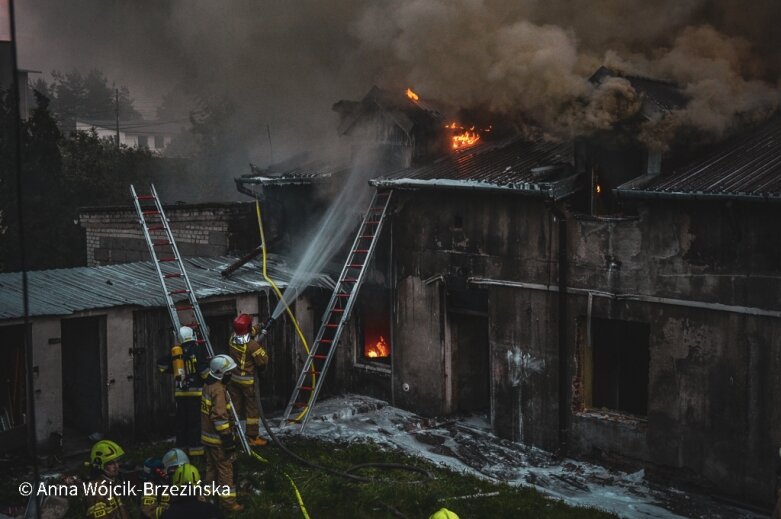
516, 165
293, 172
396, 105
67, 291
747, 166
663, 95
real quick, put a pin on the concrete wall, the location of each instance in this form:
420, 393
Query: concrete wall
119, 367
47, 377
713, 389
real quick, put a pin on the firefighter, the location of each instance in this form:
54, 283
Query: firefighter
104, 460
153, 505
175, 458
189, 363
248, 355
189, 506
216, 433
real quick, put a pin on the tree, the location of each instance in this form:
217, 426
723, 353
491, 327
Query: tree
74, 95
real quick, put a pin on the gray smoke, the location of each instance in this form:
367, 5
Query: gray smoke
284, 64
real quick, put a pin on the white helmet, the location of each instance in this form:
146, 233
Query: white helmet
175, 457
220, 365
186, 334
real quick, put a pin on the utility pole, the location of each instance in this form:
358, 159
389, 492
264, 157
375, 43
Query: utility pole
116, 112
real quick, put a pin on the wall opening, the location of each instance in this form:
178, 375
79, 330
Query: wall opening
84, 375
374, 341
13, 396
467, 311
617, 361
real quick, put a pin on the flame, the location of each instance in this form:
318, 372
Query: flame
599, 189
412, 95
378, 349
466, 139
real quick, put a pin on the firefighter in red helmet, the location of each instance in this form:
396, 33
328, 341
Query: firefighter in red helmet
249, 355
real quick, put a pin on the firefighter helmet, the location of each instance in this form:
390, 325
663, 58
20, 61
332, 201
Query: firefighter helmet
186, 334
174, 459
105, 451
443, 513
242, 324
220, 365
187, 475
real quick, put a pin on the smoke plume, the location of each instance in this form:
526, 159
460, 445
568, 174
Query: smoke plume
284, 65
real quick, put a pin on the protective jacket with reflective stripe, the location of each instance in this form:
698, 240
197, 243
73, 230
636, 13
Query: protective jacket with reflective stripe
215, 412
248, 355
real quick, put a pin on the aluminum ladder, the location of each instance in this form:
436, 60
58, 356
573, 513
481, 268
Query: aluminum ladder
337, 313
173, 276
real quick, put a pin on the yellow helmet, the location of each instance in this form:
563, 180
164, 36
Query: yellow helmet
105, 451
186, 475
443, 513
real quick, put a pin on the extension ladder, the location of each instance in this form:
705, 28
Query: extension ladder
337, 313
172, 274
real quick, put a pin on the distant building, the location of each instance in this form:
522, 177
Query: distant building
25, 93
154, 135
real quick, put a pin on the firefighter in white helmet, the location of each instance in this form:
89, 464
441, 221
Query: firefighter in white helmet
216, 431
189, 364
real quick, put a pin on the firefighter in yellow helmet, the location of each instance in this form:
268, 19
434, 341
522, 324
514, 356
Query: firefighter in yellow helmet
216, 433
188, 505
443, 513
249, 355
104, 460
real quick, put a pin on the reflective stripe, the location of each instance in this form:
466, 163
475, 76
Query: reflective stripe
210, 439
195, 451
149, 500
244, 380
253, 421
221, 426
191, 392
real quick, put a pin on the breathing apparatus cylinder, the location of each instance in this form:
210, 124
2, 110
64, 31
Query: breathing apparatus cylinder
177, 362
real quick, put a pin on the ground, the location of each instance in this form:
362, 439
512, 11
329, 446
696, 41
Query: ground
473, 473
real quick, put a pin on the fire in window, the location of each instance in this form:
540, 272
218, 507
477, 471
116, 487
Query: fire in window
374, 343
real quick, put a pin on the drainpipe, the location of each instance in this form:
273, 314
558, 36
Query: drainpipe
564, 354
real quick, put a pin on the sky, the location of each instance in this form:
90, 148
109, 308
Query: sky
285, 63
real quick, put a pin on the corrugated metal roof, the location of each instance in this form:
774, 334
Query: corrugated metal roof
514, 164
66, 291
666, 96
293, 173
747, 166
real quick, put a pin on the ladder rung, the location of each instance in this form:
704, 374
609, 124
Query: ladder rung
173, 275
312, 372
320, 357
183, 308
350, 280
331, 325
337, 310
372, 222
174, 292
366, 236
325, 340
306, 388
300, 404
156, 228
165, 260
343, 295
294, 420
200, 341
194, 325
145, 197
151, 212
355, 265
361, 251
158, 243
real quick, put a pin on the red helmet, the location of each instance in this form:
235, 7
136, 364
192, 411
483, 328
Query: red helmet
242, 324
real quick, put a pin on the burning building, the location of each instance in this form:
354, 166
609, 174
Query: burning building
594, 297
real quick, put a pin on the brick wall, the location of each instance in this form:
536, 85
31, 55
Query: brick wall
114, 234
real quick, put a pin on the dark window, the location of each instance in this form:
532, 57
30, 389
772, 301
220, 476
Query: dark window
143, 141
159, 142
620, 365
